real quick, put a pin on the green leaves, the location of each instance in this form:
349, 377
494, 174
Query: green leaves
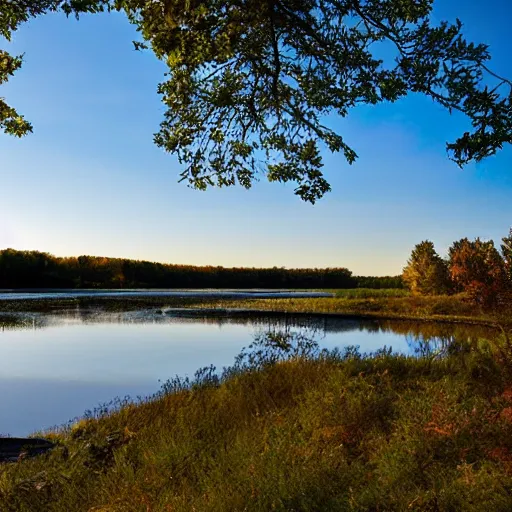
265, 75
426, 273
12, 14
10, 121
251, 82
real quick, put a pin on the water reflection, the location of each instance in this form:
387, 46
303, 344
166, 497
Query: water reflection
55, 366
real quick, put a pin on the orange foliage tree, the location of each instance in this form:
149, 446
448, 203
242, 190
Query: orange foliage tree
477, 268
506, 249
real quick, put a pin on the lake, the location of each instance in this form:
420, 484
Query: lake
55, 366
34, 294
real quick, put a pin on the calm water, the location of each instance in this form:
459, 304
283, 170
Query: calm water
54, 367
207, 293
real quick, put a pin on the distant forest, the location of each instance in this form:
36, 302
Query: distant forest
34, 269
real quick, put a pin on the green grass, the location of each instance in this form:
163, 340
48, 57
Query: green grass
367, 293
292, 429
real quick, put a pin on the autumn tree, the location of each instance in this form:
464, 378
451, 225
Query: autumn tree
251, 83
426, 273
506, 250
477, 268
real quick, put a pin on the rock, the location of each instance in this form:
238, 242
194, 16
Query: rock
13, 449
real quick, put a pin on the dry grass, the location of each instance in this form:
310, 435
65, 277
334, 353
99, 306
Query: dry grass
371, 293
453, 308
290, 428
379, 303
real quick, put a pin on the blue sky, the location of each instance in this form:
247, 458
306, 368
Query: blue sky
89, 180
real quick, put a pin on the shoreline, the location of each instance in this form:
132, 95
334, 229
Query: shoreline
346, 425
441, 309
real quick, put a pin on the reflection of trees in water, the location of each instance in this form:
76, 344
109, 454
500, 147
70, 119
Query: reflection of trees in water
287, 338
13, 322
284, 340
273, 346
219, 319
431, 338
260, 321
424, 338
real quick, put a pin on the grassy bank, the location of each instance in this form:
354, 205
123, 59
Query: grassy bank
291, 428
371, 293
354, 302
453, 308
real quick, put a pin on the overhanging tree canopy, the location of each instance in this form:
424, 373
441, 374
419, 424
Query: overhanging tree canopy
251, 82
12, 14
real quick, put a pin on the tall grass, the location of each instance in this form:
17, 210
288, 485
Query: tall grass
442, 307
379, 303
367, 293
291, 428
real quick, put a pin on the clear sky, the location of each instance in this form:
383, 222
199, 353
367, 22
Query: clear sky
90, 181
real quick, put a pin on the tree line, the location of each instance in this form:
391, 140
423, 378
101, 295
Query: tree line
475, 267
34, 269
379, 282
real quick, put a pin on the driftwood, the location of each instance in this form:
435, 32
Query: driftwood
15, 448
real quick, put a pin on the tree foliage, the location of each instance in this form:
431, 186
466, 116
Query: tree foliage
380, 282
34, 269
252, 82
426, 273
12, 14
477, 268
506, 250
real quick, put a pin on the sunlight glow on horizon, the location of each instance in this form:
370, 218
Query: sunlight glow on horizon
89, 180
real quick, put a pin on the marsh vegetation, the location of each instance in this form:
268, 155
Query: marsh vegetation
290, 426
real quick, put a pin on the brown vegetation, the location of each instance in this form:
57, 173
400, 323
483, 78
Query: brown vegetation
474, 267
308, 431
